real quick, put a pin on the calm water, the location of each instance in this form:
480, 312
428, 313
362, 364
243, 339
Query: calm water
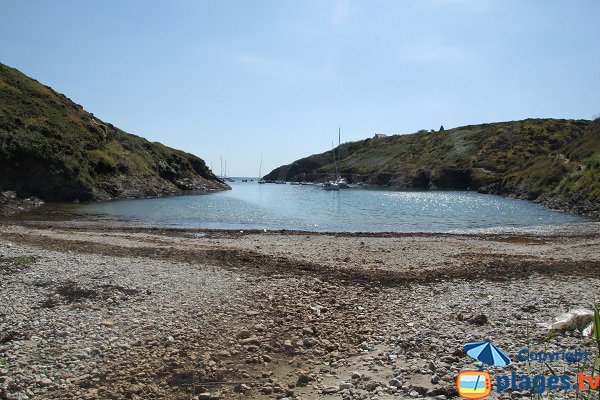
250, 205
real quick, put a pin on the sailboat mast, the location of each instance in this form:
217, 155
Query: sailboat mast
260, 168
334, 161
339, 144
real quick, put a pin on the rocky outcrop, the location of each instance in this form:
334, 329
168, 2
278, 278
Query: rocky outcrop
10, 203
53, 149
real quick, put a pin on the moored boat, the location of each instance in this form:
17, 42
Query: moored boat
331, 185
260, 179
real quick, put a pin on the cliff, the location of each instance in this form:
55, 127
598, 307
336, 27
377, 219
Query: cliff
53, 149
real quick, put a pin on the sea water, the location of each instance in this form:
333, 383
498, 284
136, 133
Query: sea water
250, 205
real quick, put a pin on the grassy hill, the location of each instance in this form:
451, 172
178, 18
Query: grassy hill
554, 162
52, 148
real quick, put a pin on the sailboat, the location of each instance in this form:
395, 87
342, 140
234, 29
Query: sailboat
226, 178
260, 179
332, 185
339, 180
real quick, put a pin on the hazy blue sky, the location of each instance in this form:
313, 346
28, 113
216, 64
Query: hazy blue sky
241, 78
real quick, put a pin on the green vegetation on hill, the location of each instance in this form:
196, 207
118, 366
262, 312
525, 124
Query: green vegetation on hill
555, 162
52, 148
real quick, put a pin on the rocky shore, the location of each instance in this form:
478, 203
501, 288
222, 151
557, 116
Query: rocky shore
11, 204
101, 312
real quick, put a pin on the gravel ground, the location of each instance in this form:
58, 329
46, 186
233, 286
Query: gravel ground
140, 313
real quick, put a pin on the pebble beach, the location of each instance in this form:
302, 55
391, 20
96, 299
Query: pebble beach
110, 313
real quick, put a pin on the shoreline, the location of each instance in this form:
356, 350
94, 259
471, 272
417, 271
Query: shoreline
172, 314
10, 204
54, 214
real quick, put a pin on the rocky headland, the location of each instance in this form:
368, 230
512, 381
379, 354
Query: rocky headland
53, 149
554, 162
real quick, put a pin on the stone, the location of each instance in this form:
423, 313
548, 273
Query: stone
303, 379
479, 320
395, 382
243, 334
16, 396
91, 394
330, 390
253, 340
266, 390
260, 328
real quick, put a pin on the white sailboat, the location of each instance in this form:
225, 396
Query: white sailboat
332, 185
260, 179
338, 182
225, 177
341, 182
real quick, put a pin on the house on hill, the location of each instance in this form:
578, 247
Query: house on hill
379, 136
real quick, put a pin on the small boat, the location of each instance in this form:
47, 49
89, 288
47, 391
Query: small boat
280, 182
260, 179
224, 177
294, 183
334, 185
342, 183
331, 185
244, 180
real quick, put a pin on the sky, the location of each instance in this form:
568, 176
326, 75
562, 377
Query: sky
237, 79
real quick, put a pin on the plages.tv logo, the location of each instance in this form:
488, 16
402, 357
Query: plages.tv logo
474, 384
478, 384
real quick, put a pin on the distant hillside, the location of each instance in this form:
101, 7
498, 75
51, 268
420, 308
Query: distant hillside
554, 162
52, 148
